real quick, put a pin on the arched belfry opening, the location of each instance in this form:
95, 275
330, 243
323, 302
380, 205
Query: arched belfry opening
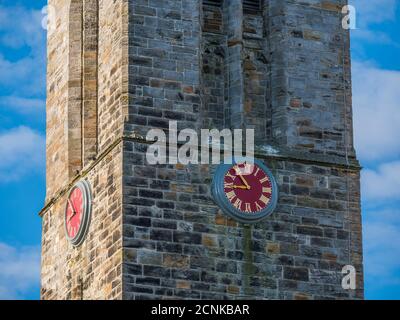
82, 84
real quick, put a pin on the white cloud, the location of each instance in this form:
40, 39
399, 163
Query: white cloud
25, 76
20, 271
23, 105
376, 107
22, 150
370, 14
382, 184
374, 11
27, 32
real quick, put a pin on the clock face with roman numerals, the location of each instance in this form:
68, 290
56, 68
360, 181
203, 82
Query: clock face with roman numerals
246, 191
78, 213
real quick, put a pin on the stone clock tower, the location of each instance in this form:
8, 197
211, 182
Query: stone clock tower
117, 69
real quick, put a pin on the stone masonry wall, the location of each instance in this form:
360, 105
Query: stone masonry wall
156, 232
69, 113
94, 270
257, 84
57, 172
213, 67
178, 244
176, 241
164, 38
112, 71
310, 76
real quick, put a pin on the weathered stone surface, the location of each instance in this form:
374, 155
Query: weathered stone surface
156, 232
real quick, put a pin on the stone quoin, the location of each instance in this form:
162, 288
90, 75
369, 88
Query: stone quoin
117, 69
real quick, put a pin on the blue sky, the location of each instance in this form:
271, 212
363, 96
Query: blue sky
376, 95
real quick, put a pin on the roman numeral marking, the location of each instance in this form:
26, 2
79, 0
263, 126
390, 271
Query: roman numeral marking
263, 180
237, 170
228, 185
259, 208
248, 207
266, 190
231, 195
256, 173
264, 199
238, 204
228, 174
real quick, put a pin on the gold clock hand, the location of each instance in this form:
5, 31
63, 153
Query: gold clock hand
238, 172
240, 187
245, 182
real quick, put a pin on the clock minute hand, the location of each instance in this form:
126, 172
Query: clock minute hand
244, 181
73, 210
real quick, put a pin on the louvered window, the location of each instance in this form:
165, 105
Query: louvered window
213, 16
214, 3
252, 6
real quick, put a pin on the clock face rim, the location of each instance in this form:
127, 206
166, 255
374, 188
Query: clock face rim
84, 187
218, 192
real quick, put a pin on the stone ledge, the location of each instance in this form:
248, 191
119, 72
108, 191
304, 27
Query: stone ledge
280, 153
264, 152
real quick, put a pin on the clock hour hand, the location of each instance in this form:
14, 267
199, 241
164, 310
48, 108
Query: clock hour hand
245, 182
240, 187
238, 172
73, 210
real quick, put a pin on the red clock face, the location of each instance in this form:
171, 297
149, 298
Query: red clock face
74, 213
248, 188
